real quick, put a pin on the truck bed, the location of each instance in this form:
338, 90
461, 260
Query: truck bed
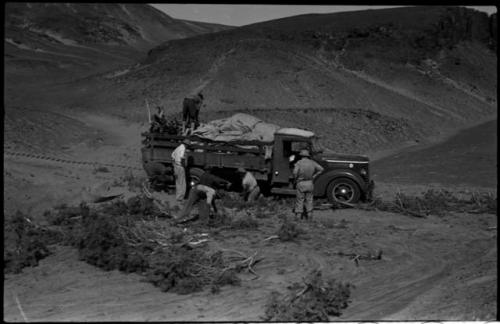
203, 152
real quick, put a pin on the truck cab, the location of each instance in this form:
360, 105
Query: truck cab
345, 177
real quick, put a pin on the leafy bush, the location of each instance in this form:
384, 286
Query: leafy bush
313, 301
65, 215
101, 243
438, 202
133, 182
123, 243
125, 236
289, 230
183, 270
143, 206
484, 203
27, 244
170, 269
245, 222
138, 206
101, 169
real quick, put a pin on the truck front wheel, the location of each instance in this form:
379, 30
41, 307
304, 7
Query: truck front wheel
343, 190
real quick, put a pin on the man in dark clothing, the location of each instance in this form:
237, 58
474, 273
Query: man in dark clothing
158, 176
190, 111
159, 121
207, 188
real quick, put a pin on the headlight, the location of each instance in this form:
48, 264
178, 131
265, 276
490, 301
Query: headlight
363, 172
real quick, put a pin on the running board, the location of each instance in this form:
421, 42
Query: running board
283, 191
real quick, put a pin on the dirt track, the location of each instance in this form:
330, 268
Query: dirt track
438, 268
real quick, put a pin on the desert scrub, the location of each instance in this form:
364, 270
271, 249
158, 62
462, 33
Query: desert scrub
183, 270
133, 182
140, 207
66, 215
127, 244
103, 244
126, 236
26, 243
233, 200
484, 203
102, 169
313, 300
245, 222
439, 203
289, 230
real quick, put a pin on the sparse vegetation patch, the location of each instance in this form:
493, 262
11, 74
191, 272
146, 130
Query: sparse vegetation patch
313, 300
289, 230
126, 236
26, 243
437, 202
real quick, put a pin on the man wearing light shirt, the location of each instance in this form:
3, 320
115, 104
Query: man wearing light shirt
179, 172
304, 172
250, 186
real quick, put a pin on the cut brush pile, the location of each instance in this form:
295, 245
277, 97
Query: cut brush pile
127, 236
313, 300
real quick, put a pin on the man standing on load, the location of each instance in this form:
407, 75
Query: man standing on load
179, 173
304, 172
190, 111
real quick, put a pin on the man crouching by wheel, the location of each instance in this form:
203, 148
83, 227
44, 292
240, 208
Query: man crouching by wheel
204, 192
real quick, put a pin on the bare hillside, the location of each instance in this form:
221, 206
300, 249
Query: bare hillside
57, 41
421, 71
366, 81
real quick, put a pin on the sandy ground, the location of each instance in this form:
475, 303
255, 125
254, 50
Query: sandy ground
438, 268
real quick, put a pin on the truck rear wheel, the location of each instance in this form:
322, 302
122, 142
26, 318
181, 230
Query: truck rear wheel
343, 190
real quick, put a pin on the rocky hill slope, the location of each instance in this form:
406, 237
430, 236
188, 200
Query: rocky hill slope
57, 41
361, 79
366, 81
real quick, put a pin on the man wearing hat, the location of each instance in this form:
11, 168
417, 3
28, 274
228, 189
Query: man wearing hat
179, 173
304, 172
251, 189
207, 187
190, 111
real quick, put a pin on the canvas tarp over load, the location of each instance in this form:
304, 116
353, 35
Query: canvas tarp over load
239, 127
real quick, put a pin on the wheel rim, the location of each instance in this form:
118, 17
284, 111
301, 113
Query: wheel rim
343, 192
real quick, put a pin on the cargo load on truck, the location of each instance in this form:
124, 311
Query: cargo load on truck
244, 127
239, 127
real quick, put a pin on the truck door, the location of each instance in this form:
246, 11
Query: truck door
282, 168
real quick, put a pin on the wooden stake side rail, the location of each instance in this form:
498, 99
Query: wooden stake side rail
201, 139
172, 141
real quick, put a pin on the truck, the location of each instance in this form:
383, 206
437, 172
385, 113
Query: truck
345, 178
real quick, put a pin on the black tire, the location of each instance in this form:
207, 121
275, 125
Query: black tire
343, 190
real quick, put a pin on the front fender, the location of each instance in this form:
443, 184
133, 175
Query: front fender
322, 181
